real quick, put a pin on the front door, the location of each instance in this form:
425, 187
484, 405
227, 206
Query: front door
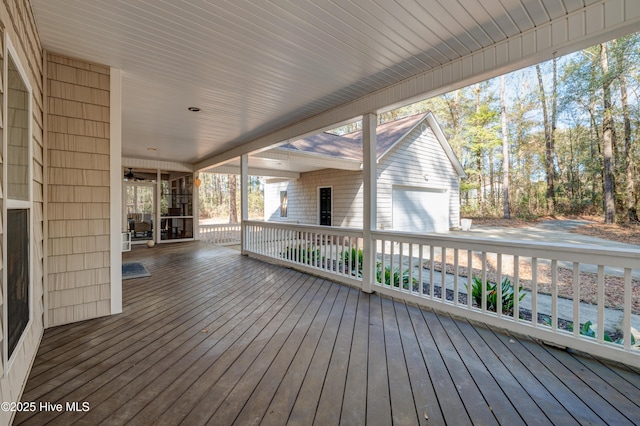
325, 206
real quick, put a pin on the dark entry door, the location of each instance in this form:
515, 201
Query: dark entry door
325, 206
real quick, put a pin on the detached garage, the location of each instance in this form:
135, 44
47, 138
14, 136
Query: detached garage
420, 209
418, 187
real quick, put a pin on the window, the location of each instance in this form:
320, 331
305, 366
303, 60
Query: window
17, 275
17, 184
283, 203
18, 156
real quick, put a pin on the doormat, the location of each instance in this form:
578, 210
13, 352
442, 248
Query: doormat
134, 270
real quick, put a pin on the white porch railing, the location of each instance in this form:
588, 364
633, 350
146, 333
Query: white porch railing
321, 250
220, 234
562, 294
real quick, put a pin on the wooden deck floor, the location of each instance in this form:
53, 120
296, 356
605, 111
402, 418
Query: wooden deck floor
213, 337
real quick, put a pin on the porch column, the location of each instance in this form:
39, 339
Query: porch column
244, 203
369, 202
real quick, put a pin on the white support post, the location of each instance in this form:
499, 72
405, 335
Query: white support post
244, 204
369, 217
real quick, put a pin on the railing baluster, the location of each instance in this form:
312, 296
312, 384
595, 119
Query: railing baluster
391, 274
443, 273
554, 295
469, 278
432, 268
576, 299
600, 335
534, 291
516, 288
499, 284
456, 264
483, 303
420, 269
410, 267
626, 315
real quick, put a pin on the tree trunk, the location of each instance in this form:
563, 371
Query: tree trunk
607, 140
505, 152
478, 153
233, 210
548, 143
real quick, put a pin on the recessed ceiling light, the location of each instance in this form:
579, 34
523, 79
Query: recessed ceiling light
194, 109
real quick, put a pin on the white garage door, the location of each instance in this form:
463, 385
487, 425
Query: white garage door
420, 209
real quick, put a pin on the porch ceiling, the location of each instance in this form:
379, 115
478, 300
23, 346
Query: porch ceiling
255, 68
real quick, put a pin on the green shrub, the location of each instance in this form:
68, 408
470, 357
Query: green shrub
491, 294
397, 277
307, 255
351, 262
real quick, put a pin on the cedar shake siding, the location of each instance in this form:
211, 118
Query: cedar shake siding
78, 205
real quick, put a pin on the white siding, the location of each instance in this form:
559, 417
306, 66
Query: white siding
303, 197
407, 164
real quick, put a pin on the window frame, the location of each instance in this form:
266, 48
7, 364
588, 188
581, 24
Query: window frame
10, 204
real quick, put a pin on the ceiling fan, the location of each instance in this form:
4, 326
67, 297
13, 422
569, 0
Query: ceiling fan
131, 176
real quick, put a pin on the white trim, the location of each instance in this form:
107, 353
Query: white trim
370, 199
10, 52
141, 163
115, 191
437, 130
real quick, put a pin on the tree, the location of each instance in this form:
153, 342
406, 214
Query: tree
505, 151
608, 135
622, 49
233, 210
549, 134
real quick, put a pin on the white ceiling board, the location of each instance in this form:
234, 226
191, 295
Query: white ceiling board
257, 67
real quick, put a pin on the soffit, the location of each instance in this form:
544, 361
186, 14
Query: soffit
254, 67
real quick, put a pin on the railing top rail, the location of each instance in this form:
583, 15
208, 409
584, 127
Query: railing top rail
335, 230
219, 225
613, 256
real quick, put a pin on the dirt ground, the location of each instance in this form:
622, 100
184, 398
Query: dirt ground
596, 227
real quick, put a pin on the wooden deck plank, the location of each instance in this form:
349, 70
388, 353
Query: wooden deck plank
178, 392
169, 301
615, 378
526, 407
126, 369
354, 404
117, 349
424, 395
527, 378
578, 409
290, 386
403, 407
378, 398
321, 395
476, 405
449, 400
222, 377
290, 365
158, 371
216, 337
499, 403
569, 372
